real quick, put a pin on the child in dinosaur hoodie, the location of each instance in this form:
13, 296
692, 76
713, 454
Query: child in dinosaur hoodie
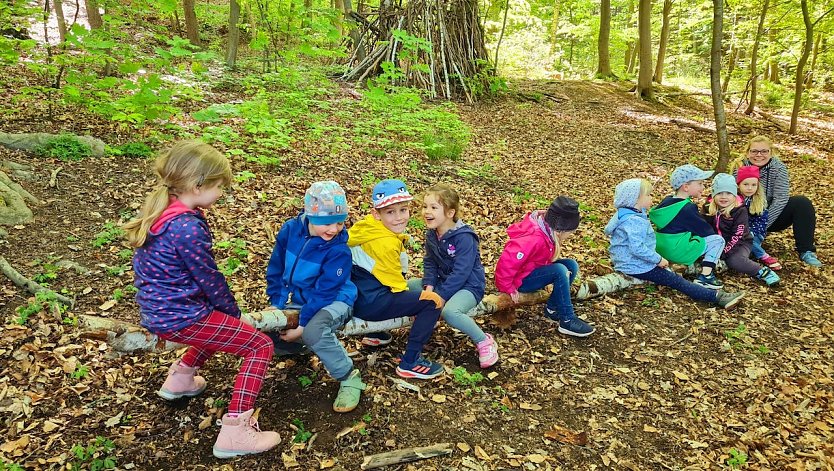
310, 269
377, 244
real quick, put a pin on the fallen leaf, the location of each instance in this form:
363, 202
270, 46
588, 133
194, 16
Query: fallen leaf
563, 435
528, 406
108, 304
463, 447
480, 453
438, 398
115, 420
536, 458
650, 429
492, 375
289, 460
205, 423
680, 376
49, 426
327, 463
15, 447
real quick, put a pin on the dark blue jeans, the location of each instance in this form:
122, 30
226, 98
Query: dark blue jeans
560, 274
406, 303
664, 277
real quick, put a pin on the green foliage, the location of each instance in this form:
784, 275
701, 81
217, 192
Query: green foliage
444, 146
737, 459
97, 455
48, 274
301, 434
81, 372
109, 234
244, 176
4, 466
43, 301
138, 150
118, 270
305, 381
239, 254
64, 147
220, 403
467, 379
417, 224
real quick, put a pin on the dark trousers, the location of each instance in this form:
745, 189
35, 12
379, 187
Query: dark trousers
664, 277
739, 259
405, 303
560, 274
800, 214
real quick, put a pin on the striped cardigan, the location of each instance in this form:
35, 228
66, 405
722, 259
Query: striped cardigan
774, 177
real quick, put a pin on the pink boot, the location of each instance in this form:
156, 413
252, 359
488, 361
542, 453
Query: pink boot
241, 436
487, 351
181, 382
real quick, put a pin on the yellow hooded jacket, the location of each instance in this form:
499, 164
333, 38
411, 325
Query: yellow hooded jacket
379, 251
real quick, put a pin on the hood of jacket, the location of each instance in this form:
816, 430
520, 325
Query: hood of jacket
174, 209
369, 229
663, 215
621, 215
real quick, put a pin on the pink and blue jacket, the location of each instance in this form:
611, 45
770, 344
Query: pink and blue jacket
528, 248
176, 275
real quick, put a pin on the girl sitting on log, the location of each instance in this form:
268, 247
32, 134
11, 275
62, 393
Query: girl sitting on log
452, 268
633, 245
530, 261
310, 269
730, 218
184, 298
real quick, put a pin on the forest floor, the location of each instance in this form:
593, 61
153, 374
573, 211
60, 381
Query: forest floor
664, 383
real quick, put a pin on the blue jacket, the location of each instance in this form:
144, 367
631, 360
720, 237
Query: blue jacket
453, 263
689, 219
308, 271
176, 275
633, 242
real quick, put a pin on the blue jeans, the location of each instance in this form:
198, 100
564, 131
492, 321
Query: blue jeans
758, 251
713, 250
560, 274
456, 311
664, 277
320, 335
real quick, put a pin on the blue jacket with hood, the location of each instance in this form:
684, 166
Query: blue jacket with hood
633, 242
309, 271
453, 262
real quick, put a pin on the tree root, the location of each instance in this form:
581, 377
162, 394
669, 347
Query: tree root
27, 284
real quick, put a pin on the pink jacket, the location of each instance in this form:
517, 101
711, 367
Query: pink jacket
528, 248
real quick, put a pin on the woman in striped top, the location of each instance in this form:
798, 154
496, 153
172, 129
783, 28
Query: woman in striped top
783, 210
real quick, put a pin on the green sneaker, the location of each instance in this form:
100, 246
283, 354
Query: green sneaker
349, 393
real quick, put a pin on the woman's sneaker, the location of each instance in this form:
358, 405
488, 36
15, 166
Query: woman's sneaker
377, 339
728, 300
771, 262
810, 258
709, 281
768, 276
487, 351
421, 369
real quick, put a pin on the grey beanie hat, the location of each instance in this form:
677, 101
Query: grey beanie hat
724, 183
627, 193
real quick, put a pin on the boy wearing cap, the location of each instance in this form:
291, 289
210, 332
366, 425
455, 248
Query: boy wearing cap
310, 270
380, 262
683, 235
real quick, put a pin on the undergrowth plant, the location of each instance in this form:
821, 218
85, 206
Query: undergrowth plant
97, 455
110, 233
43, 301
64, 147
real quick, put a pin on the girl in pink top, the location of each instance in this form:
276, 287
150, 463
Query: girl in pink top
531, 260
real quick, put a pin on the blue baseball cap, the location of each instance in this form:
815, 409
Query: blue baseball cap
325, 203
388, 192
687, 173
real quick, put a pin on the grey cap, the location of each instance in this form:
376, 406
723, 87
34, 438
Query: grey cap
687, 173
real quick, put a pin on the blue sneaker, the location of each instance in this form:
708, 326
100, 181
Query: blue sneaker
810, 258
421, 369
768, 276
708, 281
574, 326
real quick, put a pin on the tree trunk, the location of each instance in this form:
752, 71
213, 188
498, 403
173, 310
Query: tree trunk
234, 34
809, 79
604, 68
191, 27
501, 36
631, 46
715, 82
754, 57
731, 66
93, 15
773, 63
644, 29
355, 34
58, 6
339, 5
554, 22
800, 67
632, 61
664, 40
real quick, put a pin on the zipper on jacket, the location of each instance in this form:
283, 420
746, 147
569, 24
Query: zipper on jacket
295, 264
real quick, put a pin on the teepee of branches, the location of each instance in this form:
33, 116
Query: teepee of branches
435, 45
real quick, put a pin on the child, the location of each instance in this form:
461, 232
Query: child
730, 219
310, 268
747, 178
377, 244
452, 268
184, 298
682, 234
530, 261
633, 246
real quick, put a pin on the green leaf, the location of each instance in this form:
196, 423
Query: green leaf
129, 67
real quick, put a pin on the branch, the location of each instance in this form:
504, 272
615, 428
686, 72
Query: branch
27, 284
822, 16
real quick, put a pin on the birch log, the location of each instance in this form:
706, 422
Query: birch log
127, 337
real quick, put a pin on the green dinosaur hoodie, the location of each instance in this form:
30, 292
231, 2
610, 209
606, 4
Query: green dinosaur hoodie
683, 247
